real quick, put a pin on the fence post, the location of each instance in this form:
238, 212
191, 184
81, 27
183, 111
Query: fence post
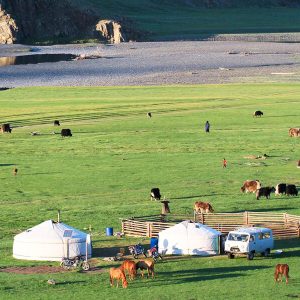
149, 229
123, 227
246, 218
298, 231
285, 219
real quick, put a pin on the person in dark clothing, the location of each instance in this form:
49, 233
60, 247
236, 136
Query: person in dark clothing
207, 126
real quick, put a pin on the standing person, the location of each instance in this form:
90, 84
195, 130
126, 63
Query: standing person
207, 126
224, 163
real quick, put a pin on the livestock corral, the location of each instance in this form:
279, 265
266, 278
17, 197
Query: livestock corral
114, 154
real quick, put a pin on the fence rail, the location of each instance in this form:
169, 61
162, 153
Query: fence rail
284, 225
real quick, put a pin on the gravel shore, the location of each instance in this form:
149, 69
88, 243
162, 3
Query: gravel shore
156, 63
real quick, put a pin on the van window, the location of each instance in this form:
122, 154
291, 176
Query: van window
260, 236
238, 237
266, 235
252, 238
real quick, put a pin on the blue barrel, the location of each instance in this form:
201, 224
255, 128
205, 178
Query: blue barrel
154, 243
109, 231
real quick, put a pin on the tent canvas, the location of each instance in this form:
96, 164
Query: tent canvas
51, 241
187, 238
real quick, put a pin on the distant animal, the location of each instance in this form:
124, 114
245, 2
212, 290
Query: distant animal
146, 265
298, 164
5, 128
281, 270
15, 171
65, 132
34, 133
130, 267
165, 207
118, 274
258, 113
149, 115
56, 123
155, 194
294, 132
291, 190
250, 186
280, 189
264, 191
203, 207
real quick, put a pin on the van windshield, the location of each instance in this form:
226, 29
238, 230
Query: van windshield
238, 237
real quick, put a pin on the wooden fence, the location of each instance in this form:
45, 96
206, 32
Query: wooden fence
284, 225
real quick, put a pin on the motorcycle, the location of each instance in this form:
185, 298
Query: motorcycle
76, 262
136, 250
154, 254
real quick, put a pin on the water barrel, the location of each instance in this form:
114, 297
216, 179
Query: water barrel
109, 231
154, 243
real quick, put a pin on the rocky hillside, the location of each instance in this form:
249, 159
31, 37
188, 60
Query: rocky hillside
27, 21
55, 20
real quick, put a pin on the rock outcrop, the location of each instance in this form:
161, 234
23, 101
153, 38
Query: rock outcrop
8, 28
111, 31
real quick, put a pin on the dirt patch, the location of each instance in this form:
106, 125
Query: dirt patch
33, 270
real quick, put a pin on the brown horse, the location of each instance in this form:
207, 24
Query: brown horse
281, 270
117, 273
202, 207
146, 265
130, 266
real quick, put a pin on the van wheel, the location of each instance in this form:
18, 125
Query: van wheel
266, 252
230, 255
250, 256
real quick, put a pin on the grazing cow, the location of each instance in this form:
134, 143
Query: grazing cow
65, 132
5, 128
291, 190
264, 191
15, 171
250, 186
56, 123
155, 194
118, 274
281, 270
130, 266
294, 132
146, 265
298, 164
280, 189
258, 113
149, 115
165, 207
203, 207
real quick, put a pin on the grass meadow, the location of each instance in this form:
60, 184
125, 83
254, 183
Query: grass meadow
116, 155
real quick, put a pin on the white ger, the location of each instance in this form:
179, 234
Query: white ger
249, 241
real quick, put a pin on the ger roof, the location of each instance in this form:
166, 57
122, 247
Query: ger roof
251, 229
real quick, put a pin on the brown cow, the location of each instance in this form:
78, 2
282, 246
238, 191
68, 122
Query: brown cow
130, 266
250, 186
294, 132
5, 128
281, 270
146, 265
203, 207
117, 273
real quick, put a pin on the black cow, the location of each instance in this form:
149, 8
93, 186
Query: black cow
56, 123
5, 128
280, 189
155, 194
258, 113
149, 115
264, 191
291, 190
65, 132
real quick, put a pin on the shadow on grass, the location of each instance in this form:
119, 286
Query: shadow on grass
70, 282
197, 196
262, 209
184, 276
6, 165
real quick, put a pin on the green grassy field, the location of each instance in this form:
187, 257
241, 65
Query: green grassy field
116, 155
174, 20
